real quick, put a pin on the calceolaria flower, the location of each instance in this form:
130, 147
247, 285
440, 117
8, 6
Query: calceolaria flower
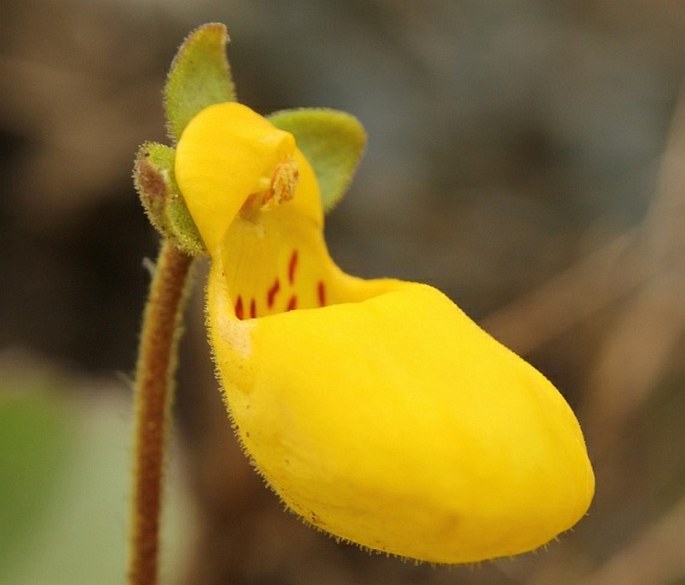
376, 409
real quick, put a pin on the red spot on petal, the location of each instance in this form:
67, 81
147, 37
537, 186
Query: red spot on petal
292, 267
272, 292
292, 303
321, 293
239, 312
253, 308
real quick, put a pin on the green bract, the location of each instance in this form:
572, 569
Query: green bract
199, 77
333, 143
153, 175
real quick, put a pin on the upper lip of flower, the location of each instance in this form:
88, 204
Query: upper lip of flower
230, 160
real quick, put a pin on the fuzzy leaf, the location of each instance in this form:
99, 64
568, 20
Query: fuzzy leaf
155, 181
333, 143
199, 76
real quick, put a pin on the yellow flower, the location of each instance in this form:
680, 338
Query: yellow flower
376, 409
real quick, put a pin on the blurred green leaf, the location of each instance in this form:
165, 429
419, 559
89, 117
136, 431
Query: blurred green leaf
199, 76
333, 143
65, 479
35, 447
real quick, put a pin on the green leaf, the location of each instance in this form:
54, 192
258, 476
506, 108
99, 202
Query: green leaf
155, 181
333, 143
199, 76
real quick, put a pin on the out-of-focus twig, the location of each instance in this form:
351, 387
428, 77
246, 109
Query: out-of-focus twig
656, 556
574, 295
634, 357
636, 350
645, 269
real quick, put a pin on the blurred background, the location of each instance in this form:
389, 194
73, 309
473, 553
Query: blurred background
526, 157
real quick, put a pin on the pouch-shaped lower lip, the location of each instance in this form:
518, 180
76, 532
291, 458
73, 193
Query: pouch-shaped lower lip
388, 396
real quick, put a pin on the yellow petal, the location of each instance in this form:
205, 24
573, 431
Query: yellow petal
376, 409
398, 424
227, 153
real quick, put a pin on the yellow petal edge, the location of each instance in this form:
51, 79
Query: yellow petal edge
376, 409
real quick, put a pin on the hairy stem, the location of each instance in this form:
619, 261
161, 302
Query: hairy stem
154, 384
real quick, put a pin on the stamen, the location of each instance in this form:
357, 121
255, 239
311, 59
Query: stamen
283, 183
279, 189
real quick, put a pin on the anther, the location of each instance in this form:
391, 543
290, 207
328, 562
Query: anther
280, 189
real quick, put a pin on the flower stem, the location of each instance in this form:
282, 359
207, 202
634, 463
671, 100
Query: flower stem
154, 384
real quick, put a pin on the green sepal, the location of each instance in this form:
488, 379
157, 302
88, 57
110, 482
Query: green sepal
332, 141
155, 181
199, 77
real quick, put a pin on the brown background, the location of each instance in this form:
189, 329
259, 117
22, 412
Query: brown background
526, 157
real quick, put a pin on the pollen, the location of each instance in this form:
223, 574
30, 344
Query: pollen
274, 191
283, 183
